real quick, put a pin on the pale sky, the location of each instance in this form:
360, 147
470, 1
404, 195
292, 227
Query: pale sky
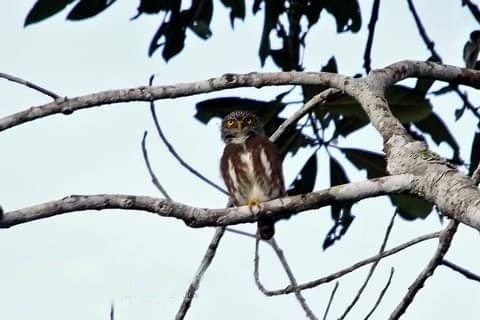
75, 265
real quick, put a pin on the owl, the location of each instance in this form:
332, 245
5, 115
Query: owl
250, 165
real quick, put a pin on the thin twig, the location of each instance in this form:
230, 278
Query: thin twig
112, 311
382, 293
444, 241
293, 281
174, 153
317, 99
466, 273
430, 44
371, 32
241, 232
30, 85
330, 300
463, 96
341, 273
372, 267
154, 178
206, 260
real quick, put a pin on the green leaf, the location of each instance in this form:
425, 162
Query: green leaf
220, 107
474, 154
201, 15
312, 12
373, 163
305, 180
347, 14
439, 133
155, 6
473, 7
337, 177
405, 103
174, 33
237, 9
291, 141
471, 49
88, 8
43, 9
273, 10
347, 125
341, 212
310, 90
411, 207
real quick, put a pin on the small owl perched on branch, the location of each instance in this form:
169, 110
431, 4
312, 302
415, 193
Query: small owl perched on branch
251, 166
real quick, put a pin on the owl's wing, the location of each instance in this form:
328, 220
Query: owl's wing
267, 155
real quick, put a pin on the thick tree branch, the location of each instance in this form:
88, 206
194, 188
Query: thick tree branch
393, 73
199, 217
151, 93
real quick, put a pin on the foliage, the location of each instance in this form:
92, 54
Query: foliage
290, 22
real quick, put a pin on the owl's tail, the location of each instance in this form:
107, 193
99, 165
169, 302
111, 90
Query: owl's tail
266, 228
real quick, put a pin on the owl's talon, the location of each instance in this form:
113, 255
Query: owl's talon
253, 203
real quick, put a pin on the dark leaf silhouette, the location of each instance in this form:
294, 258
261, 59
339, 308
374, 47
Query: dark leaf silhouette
43, 9
88, 8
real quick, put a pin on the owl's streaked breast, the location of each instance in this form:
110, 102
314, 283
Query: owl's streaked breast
250, 173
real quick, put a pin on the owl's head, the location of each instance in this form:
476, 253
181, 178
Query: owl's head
237, 126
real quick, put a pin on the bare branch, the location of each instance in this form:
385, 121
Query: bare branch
382, 293
199, 217
430, 44
174, 153
257, 80
330, 300
30, 85
206, 260
341, 273
372, 267
371, 32
286, 267
319, 98
151, 93
154, 178
466, 273
444, 241
292, 279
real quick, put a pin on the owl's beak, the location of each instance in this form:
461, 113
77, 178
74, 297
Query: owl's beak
240, 124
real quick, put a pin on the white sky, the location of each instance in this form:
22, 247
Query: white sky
74, 265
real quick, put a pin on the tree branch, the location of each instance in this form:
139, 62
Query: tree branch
372, 268
466, 273
341, 273
206, 260
288, 270
30, 85
444, 241
330, 300
371, 32
199, 217
401, 70
382, 293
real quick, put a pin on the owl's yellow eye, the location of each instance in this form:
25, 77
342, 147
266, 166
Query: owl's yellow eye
230, 123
